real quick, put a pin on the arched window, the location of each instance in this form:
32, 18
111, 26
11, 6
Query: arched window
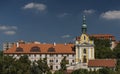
35, 49
84, 51
19, 49
84, 38
51, 49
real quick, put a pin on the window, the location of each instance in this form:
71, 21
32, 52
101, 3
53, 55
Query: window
51, 67
84, 59
72, 55
51, 60
84, 51
56, 55
35, 55
73, 61
67, 61
51, 49
67, 54
51, 55
35, 49
19, 49
56, 60
84, 38
56, 67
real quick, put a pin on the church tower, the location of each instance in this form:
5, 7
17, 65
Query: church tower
84, 46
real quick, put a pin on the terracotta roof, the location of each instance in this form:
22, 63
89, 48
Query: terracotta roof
59, 48
102, 63
105, 36
99, 35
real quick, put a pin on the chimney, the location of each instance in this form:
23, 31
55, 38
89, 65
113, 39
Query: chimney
17, 44
54, 44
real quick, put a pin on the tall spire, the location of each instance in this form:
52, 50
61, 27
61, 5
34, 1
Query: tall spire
84, 26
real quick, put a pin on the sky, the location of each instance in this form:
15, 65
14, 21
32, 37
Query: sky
49, 21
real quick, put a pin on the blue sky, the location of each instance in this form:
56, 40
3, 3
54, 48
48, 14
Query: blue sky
56, 20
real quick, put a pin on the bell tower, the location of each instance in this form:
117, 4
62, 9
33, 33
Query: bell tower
84, 46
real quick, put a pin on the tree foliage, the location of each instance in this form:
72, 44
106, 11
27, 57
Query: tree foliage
102, 48
42, 65
117, 51
63, 64
10, 65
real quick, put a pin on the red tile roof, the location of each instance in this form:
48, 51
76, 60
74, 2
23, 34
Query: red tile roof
101, 35
104, 36
59, 48
102, 63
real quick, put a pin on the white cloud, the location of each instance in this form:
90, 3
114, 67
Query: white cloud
110, 15
38, 6
63, 15
9, 32
3, 27
90, 11
66, 36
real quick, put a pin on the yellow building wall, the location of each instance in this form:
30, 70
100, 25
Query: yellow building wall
84, 38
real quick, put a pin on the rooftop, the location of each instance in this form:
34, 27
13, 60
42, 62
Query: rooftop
41, 48
102, 63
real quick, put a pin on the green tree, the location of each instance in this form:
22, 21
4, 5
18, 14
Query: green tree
104, 71
102, 48
80, 71
23, 65
8, 66
35, 69
117, 51
58, 72
63, 64
42, 65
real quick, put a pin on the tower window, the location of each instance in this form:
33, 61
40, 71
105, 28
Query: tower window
84, 38
84, 51
84, 59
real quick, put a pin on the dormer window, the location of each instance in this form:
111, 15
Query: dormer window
51, 49
19, 49
35, 49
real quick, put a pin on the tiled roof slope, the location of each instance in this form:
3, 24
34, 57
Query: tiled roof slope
102, 63
101, 35
105, 36
59, 48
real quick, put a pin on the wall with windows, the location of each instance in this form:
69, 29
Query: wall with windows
53, 60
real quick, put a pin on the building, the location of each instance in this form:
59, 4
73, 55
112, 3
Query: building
78, 55
53, 52
84, 46
101, 63
7, 45
103, 36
